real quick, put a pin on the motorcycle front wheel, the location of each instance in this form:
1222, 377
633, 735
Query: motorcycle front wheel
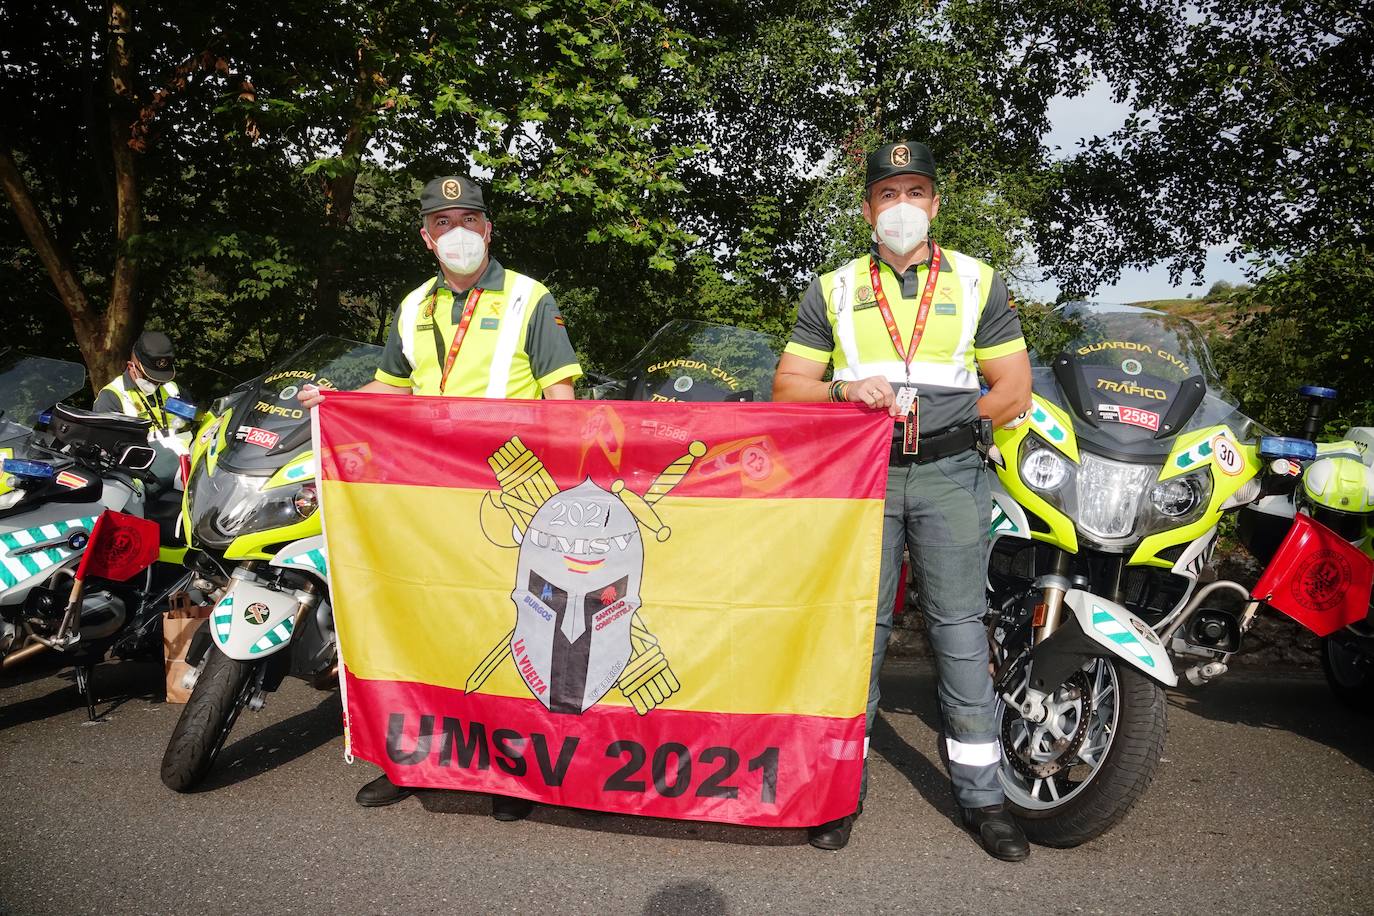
1074, 776
221, 692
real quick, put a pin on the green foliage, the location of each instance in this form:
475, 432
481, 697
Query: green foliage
1309, 323
655, 161
1253, 127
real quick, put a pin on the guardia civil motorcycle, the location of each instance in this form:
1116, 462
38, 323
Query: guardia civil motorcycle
62, 468
1107, 500
1331, 483
696, 361
251, 513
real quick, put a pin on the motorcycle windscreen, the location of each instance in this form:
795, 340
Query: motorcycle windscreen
269, 424
1317, 578
692, 361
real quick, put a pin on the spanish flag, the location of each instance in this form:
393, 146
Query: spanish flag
657, 609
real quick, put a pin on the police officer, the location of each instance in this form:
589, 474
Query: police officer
477, 329
145, 385
909, 327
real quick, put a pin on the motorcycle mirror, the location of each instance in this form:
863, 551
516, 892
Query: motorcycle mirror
1317, 391
137, 458
179, 408
1271, 447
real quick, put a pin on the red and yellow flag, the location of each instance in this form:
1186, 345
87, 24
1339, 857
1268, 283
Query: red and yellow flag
659, 609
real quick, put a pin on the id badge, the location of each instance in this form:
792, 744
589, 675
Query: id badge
910, 422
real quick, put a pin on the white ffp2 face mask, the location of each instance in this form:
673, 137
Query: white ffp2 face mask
461, 250
900, 228
145, 386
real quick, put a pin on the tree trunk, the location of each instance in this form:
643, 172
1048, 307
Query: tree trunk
124, 314
104, 339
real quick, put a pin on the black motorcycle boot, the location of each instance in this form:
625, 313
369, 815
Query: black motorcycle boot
997, 832
505, 808
381, 792
833, 835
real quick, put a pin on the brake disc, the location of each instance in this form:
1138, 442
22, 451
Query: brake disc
1076, 689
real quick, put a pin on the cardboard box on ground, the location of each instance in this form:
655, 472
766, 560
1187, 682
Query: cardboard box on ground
179, 625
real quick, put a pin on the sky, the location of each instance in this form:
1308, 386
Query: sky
1094, 113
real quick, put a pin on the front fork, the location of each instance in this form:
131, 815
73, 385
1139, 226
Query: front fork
1045, 619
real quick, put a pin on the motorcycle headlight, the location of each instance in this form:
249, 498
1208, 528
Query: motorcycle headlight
1176, 498
1109, 494
1044, 469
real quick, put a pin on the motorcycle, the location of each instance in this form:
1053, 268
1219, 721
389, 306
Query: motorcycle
257, 550
63, 468
1331, 483
1108, 495
695, 361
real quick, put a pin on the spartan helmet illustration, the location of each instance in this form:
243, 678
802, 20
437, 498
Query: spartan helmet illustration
578, 632
576, 591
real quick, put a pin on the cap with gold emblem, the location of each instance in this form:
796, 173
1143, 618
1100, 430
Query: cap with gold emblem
157, 359
449, 192
905, 157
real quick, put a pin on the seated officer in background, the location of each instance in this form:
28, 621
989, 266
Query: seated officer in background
146, 383
909, 327
143, 390
476, 329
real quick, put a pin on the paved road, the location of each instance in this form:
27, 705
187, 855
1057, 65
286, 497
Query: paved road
1264, 803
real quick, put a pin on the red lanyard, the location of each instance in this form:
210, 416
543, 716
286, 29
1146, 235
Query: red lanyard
469, 309
932, 276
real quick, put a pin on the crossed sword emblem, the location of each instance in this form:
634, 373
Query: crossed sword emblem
525, 485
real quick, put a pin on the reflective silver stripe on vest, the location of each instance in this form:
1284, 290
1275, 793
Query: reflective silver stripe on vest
841, 303
943, 375
969, 278
512, 328
125, 399
406, 321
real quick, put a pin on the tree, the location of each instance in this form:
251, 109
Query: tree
268, 184
1254, 128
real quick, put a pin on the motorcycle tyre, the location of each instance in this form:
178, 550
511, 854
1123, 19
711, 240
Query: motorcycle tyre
1124, 777
221, 692
1357, 696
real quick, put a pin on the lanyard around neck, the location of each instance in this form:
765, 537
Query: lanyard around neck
469, 309
158, 416
907, 353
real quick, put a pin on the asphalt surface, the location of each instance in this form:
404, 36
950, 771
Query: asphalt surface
1264, 803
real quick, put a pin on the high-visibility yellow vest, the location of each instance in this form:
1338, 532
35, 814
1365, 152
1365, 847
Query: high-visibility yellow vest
492, 362
945, 357
134, 403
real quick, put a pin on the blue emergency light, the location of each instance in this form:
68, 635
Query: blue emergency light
21, 467
179, 408
1271, 447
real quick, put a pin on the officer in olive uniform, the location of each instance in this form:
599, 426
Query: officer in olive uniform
145, 385
909, 327
477, 329
142, 390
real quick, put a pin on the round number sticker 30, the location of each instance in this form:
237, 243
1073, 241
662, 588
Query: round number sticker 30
1226, 454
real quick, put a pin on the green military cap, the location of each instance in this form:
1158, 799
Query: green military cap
905, 157
449, 192
155, 356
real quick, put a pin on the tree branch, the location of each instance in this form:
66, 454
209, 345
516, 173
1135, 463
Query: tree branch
53, 256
